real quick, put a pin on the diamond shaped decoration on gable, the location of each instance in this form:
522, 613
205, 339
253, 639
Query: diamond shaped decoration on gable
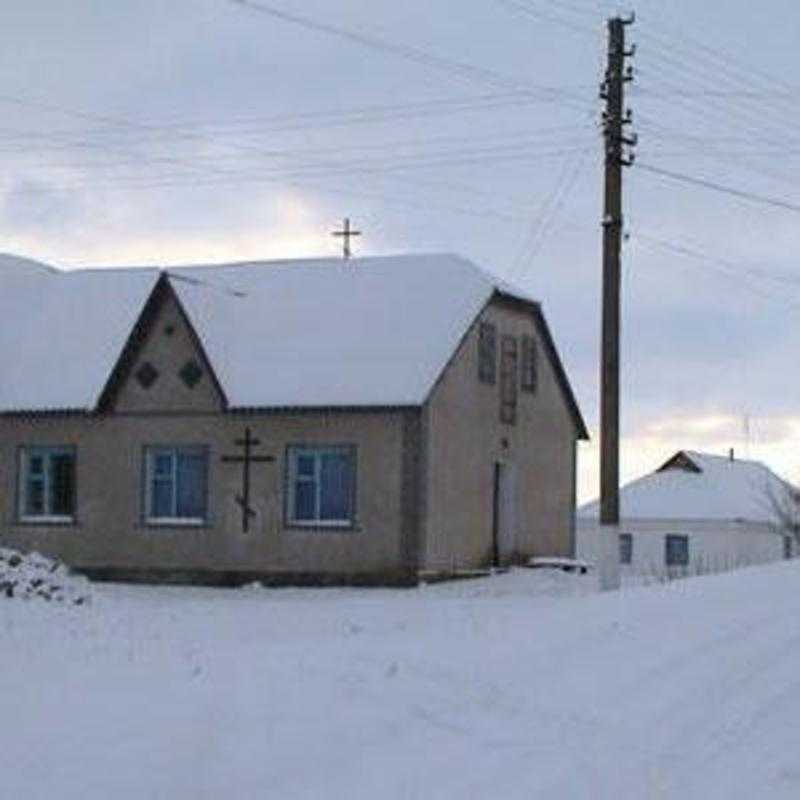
190, 373
147, 375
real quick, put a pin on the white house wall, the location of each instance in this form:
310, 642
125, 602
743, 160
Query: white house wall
714, 545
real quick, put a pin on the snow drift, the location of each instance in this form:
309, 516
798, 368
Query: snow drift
32, 576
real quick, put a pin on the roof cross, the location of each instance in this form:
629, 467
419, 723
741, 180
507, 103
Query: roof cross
346, 233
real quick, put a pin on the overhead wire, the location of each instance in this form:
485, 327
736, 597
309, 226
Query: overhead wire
549, 212
717, 187
461, 69
722, 267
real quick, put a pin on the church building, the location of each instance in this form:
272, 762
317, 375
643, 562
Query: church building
310, 422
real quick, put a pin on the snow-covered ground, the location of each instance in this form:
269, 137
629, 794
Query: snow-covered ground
527, 685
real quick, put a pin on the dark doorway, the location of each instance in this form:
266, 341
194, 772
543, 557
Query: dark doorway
503, 514
498, 468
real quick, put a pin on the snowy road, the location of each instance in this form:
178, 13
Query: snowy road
502, 688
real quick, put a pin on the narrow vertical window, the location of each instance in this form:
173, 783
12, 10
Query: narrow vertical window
487, 353
321, 486
530, 367
47, 484
625, 548
176, 484
508, 380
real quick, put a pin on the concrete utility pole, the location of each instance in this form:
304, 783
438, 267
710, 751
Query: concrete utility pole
617, 156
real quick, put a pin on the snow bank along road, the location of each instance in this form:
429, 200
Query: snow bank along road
518, 686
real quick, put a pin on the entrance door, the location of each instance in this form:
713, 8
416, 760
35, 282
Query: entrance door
504, 514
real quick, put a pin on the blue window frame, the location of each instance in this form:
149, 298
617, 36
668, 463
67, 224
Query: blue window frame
677, 550
176, 485
47, 484
321, 485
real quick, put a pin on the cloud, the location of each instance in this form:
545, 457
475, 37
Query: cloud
31, 205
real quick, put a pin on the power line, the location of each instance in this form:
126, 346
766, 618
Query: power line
335, 168
757, 114
283, 122
724, 60
743, 269
551, 135
458, 68
724, 94
724, 267
718, 187
551, 208
529, 11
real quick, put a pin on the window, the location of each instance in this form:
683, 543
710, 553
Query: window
625, 548
47, 485
322, 482
487, 353
508, 380
530, 377
677, 551
176, 484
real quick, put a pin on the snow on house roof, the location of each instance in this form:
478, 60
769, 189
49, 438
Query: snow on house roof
321, 332
376, 331
700, 486
62, 332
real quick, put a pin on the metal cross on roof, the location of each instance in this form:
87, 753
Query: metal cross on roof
243, 499
346, 233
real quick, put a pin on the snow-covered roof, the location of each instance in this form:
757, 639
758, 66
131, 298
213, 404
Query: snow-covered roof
62, 332
700, 486
377, 331
322, 332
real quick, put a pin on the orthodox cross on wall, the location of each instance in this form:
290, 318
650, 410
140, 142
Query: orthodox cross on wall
346, 234
246, 460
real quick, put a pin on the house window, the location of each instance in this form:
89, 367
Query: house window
508, 380
625, 548
677, 551
47, 485
529, 368
321, 486
487, 353
176, 485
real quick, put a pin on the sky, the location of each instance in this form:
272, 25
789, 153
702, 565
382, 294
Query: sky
214, 130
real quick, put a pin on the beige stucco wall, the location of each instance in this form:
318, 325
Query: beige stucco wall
464, 439
168, 345
109, 530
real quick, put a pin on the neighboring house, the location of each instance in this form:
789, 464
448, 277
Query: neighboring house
415, 408
696, 513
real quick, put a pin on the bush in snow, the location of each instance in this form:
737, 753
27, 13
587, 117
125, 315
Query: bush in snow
32, 576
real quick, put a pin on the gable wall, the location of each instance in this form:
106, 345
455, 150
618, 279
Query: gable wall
464, 440
168, 353
110, 532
